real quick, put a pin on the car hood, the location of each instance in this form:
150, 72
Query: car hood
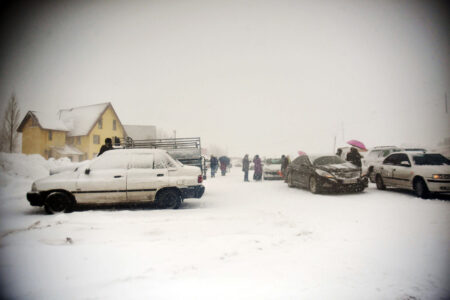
430, 170
338, 167
55, 181
272, 167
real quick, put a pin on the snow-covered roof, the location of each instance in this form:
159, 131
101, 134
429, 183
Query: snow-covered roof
141, 132
45, 120
80, 120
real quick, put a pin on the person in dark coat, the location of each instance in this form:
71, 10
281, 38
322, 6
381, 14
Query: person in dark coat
284, 165
106, 147
354, 157
339, 152
214, 165
224, 162
245, 166
258, 168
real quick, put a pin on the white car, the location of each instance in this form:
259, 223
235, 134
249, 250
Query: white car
272, 169
120, 176
424, 173
374, 157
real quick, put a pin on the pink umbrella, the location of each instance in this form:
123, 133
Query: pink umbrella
300, 153
357, 144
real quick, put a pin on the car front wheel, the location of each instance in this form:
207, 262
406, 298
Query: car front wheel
57, 202
420, 188
313, 186
169, 199
380, 183
289, 180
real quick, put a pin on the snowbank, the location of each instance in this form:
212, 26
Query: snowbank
34, 166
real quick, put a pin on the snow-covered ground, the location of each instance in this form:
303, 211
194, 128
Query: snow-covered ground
256, 240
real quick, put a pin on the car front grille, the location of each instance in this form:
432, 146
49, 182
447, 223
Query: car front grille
352, 174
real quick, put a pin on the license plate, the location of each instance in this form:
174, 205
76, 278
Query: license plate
349, 181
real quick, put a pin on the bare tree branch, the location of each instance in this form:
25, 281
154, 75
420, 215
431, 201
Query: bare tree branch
9, 133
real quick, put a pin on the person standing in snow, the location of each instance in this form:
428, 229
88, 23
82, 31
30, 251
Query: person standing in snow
354, 157
214, 165
245, 166
284, 165
258, 168
223, 167
107, 146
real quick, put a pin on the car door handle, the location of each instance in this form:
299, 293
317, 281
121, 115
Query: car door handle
117, 176
160, 175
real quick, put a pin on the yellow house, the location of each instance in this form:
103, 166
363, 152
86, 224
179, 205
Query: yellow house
77, 133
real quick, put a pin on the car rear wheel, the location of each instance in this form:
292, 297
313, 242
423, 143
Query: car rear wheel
380, 183
313, 186
169, 199
58, 202
421, 189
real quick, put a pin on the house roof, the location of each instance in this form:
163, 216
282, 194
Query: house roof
44, 120
77, 121
80, 120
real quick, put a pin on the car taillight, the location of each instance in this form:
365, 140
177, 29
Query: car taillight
200, 179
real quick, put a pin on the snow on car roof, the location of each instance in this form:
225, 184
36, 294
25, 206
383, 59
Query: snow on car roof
133, 151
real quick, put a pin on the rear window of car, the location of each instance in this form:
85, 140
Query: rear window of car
273, 161
164, 161
430, 159
142, 161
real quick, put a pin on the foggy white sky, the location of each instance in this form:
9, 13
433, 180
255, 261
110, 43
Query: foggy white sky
266, 77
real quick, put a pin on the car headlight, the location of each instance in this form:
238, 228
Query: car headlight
33, 187
324, 174
438, 176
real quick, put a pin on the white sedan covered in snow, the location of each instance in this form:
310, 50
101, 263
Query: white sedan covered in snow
120, 176
424, 173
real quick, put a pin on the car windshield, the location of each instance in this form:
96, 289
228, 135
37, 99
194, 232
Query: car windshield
430, 159
273, 161
328, 160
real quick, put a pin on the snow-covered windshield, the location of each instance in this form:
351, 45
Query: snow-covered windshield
328, 160
430, 159
273, 161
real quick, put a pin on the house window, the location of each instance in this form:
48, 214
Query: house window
100, 123
114, 125
78, 140
50, 135
96, 139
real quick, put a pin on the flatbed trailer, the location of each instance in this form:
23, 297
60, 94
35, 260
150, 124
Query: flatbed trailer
187, 150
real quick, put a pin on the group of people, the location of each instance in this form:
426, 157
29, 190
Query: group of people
257, 175
223, 162
353, 156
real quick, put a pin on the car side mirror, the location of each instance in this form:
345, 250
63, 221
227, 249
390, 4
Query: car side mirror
87, 171
405, 164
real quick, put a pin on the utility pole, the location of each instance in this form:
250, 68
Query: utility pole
446, 104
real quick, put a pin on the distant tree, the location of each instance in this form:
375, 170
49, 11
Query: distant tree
9, 133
